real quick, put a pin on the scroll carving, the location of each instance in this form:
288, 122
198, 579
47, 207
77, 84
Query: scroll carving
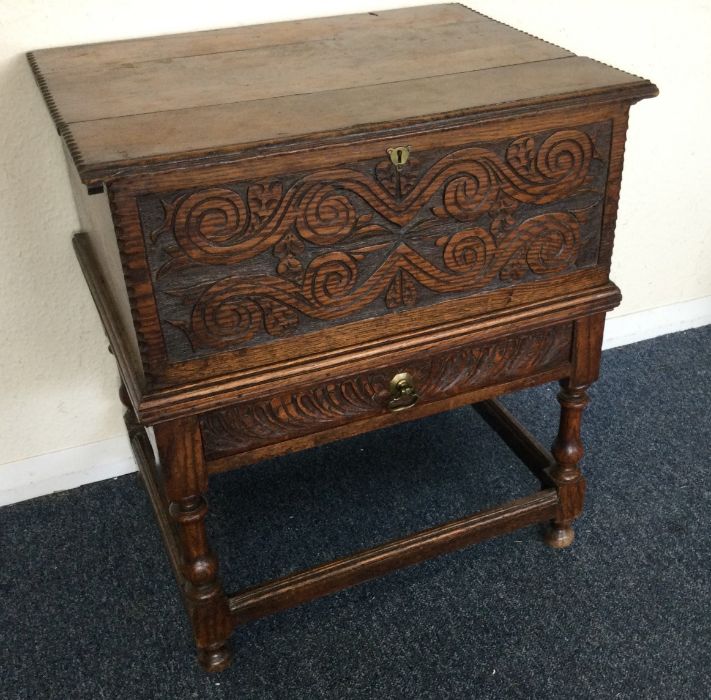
329, 244
286, 416
217, 226
233, 310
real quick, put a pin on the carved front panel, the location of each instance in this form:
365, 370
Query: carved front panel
253, 425
247, 262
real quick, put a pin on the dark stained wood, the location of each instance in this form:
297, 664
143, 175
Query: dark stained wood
224, 391
120, 344
210, 95
343, 400
283, 231
153, 482
451, 133
587, 348
568, 451
286, 592
97, 224
134, 231
568, 447
614, 181
382, 420
183, 467
188, 400
308, 230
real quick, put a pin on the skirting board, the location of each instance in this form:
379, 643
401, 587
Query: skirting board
643, 325
67, 469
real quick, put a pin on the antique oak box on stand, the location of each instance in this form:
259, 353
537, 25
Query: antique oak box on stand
302, 231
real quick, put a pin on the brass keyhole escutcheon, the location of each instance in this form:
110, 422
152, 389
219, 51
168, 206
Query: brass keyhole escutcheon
402, 392
399, 155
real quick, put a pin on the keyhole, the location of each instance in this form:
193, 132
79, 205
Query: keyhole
399, 155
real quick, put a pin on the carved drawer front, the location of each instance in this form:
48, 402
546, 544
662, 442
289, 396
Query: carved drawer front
400, 389
247, 262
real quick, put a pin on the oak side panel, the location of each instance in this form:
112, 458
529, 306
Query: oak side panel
614, 183
95, 220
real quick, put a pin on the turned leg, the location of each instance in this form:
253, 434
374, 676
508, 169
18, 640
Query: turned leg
568, 451
180, 450
568, 447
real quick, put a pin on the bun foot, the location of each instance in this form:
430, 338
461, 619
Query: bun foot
559, 536
217, 659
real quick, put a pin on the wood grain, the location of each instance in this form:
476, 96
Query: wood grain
220, 392
286, 592
336, 63
243, 263
285, 416
269, 280
127, 199
207, 95
185, 476
73, 59
385, 419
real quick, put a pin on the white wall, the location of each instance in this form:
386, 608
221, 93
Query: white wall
58, 382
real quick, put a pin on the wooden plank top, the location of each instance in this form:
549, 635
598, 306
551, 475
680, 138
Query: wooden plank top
126, 105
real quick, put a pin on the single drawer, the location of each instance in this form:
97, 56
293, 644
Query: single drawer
279, 259
387, 394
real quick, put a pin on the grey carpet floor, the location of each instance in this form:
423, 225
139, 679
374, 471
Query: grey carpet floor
89, 609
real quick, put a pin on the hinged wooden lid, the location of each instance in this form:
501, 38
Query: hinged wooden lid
162, 101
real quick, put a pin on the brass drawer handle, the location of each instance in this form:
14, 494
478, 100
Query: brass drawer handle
402, 392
